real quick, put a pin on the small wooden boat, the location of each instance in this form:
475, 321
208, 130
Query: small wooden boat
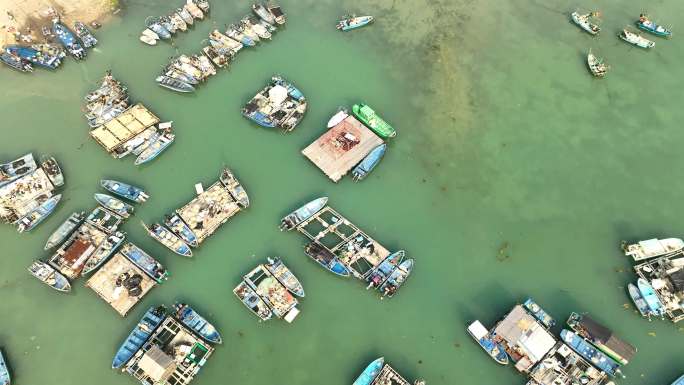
263, 13
368, 117
233, 33
38, 215
584, 22
277, 12
185, 15
53, 171
176, 224
378, 275
303, 213
49, 276
325, 258
190, 318
218, 59
178, 22
145, 262
139, 335
252, 301
644, 23
118, 207
168, 239
124, 190
194, 10
596, 65
282, 273
103, 252
202, 4
348, 24
652, 248
19, 64
155, 148
396, 279
649, 294
66, 228
372, 370
636, 39
174, 84
5, 378
85, 35
338, 117
257, 27
234, 187
68, 40
369, 162
638, 300
484, 339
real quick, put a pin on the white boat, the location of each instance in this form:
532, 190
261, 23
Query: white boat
597, 67
652, 248
585, 23
636, 39
338, 117
148, 40
150, 33
194, 10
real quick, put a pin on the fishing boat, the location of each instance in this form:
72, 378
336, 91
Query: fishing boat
66, 228
124, 190
202, 4
155, 148
638, 300
150, 33
273, 293
255, 25
679, 381
194, 10
379, 274
17, 168
350, 23
282, 273
293, 91
268, 26
185, 15
646, 24
277, 12
303, 213
5, 378
38, 215
49, 276
248, 30
179, 75
369, 162
652, 248
168, 25
584, 22
183, 63
225, 41
263, 13
596, 65
218, 59
16, 62
636, 39
174, 84
234, 187
252, 301
117, 206
68, 40
53, 171
168, 239
372, 370
373, 121
540, 314
85, 35
103, 252
35, 56
339, 116
484, 339
176, 224
233, 33
601, 337
590, 353
190, 318
204, 64
178, 22
139, 335
159, 29
326, 258
146, 263
396, 279
648, 293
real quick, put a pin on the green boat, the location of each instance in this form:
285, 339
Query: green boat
373, 121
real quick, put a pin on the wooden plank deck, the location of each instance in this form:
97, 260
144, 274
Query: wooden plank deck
208, 211
342, 147
389, 376
124, 127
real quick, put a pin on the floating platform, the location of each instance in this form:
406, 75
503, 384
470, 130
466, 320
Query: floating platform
208, 211
124, 127
342, 147
19, 197
666, 275
104, 283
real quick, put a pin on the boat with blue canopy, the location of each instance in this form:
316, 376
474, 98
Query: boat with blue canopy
117, 206
139, 335
372, 370
326, 258
35, 56
369, 162
483, 338
146, 263
66, 228
68, 40
190, 318
176, 224
124, 190
590, 353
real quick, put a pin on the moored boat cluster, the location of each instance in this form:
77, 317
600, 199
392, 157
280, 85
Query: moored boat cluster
178, 20
280, 104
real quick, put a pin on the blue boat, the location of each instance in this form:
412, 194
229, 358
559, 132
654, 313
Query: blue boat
142, 331
257, 116
679, 381
196, 322
638, 300
539, 313
124, 190
35, 56
380, 273
293, 91
483, 338
369, 162
176, 224
148, 264
118, 207
68, 40
16, 62
38, 215
351, 23
303, 213
644, 23
590, 353
648, 293
325, 258
235, 34
4, 372
397, 278
371, 371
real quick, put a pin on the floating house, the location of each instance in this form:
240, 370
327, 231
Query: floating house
666, 276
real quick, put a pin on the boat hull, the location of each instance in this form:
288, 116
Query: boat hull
168, 239
369, 118
63, 231
49, 276
370, 372
124, 190
638, 300
482, 337
190, 318
138, 336
5, 378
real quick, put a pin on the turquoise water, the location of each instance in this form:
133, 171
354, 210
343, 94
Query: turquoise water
514, 173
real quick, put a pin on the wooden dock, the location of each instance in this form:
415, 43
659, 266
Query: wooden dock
104, 283
342, 147
124, 127
667, 269
208, 211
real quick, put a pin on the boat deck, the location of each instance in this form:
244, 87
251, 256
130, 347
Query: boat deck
272, 291
389, 376
19, 197
666, 269
353, 247
562, 366
124, 127
342, 147
72, 255
208, 211
103, 282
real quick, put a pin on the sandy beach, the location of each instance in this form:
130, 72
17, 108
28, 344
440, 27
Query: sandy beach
27, 17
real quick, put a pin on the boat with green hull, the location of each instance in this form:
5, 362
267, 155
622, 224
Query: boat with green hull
368, 117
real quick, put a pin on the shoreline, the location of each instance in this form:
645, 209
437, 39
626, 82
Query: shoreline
21, 21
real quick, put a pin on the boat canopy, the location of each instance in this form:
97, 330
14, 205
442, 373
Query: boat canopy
478, 330
606, 337
277, 94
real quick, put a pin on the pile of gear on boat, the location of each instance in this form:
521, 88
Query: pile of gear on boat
586, 21
123, 129
179, 20
47, 55
588, 352
27, 191
167, 346
379, 372
183, 73
659, 290
343, 249
191, 224
280, 104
